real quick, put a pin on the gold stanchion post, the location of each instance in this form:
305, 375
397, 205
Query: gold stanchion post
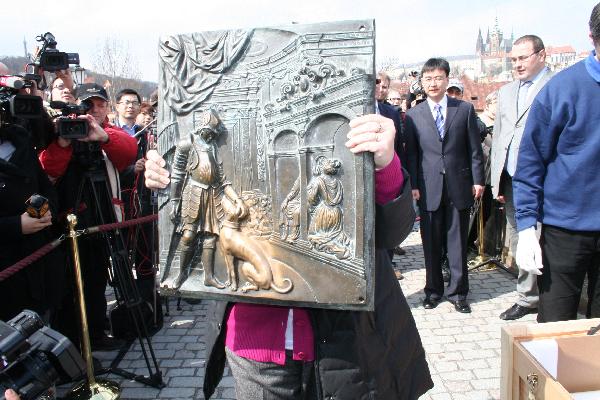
96, 389
481, 258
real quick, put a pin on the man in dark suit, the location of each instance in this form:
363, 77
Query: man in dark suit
445, 162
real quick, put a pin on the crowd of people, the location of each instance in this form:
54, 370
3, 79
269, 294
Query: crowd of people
535, 150
99, 178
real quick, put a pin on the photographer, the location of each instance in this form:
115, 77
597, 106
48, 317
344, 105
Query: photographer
39, 285
104, 151
61, 90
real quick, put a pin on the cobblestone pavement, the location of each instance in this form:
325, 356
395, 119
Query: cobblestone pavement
463, 350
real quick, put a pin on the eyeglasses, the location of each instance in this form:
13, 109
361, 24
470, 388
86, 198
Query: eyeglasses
523, 58
59, 87
436, 79
128, 103
395, 98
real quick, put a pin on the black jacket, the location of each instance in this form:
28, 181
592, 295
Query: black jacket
387, 360
391, 112
39, 285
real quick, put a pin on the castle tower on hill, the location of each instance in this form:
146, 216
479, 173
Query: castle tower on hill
495, 43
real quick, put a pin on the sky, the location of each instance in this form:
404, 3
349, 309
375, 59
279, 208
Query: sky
410, 31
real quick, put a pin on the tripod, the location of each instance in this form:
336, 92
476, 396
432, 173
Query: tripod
95, 182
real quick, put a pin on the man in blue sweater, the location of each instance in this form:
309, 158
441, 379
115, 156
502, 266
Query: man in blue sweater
557, 182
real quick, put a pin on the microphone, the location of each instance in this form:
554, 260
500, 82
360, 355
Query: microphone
11, 81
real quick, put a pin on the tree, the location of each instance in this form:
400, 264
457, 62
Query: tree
114, 60
388, 63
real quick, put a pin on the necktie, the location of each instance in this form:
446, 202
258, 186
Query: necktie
522, 100
439, 120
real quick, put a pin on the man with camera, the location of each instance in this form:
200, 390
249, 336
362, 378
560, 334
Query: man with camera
36, 287
87, 180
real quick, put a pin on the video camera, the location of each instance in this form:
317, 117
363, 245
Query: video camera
14, 105
35, 357
69, 126
50, 59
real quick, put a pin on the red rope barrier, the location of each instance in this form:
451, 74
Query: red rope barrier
33, 257
124, 224
42, 251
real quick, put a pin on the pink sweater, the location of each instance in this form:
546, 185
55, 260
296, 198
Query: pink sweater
257, 332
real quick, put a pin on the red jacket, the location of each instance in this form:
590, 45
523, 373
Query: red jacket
121, 150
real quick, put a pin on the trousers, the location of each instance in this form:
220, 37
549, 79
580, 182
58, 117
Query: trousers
567, 257
527, 288
255, 380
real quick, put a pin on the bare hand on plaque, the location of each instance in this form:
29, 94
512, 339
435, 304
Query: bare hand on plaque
373, 133
156, 176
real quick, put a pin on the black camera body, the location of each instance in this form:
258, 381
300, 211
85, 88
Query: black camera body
14, 105
68, 125
50, 59
35, 357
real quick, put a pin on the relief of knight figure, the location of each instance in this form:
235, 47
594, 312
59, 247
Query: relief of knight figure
325, 194
198, 188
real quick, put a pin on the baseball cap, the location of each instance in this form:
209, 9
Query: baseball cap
457, 84
89, 90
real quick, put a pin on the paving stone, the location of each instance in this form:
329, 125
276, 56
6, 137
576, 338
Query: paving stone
445, 366
177, 392
488, 383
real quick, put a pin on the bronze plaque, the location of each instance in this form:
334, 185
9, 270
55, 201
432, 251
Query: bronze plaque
266, 204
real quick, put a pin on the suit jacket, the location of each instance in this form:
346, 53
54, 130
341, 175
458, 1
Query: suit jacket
392, 113
508, 126
458, 156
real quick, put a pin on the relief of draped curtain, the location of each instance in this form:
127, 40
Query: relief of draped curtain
192, 65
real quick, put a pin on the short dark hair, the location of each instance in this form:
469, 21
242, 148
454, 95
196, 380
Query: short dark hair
595, 24
128, 91
537, 43
436, 63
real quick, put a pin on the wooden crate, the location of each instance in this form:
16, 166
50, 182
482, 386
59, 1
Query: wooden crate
517, 364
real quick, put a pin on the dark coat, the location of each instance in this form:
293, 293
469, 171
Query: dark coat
358, 355
393, 113
458, 156
39, 285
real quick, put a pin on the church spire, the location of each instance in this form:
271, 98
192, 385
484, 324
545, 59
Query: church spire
479, 44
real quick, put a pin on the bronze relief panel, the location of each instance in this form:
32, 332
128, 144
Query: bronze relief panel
266, 204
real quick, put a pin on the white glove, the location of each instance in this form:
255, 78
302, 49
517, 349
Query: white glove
529, 252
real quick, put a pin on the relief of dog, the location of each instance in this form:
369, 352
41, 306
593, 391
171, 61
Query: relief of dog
254, 264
